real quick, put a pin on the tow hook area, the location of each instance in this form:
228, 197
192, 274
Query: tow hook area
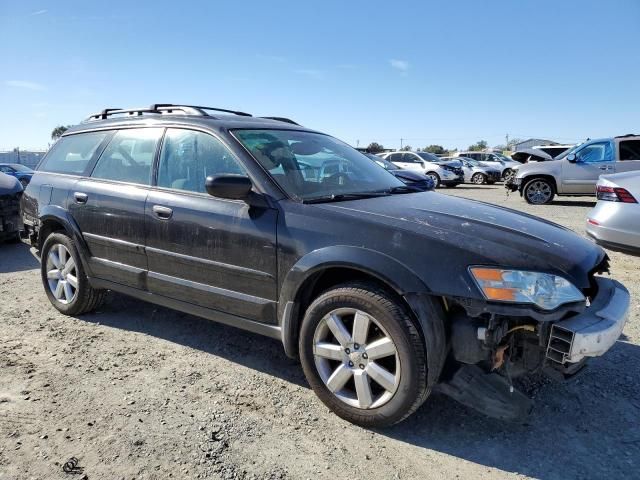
488, 393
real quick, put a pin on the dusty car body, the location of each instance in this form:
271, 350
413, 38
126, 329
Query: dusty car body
382, 292
614, 222
10, 193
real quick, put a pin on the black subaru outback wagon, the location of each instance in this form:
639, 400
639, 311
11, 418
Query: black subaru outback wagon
385, 293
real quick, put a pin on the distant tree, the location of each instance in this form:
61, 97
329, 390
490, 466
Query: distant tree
57, 132
478, 146
406, 148
436, 149
375, 147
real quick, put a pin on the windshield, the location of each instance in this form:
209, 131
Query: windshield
310, 165
20, 168
429, 157
504, 158
386, 164
471, 161
567, 152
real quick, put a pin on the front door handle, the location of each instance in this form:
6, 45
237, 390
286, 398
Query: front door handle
163, 213
80, 197
604, 167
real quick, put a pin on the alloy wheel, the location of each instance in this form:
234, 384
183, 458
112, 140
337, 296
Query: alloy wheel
539, 192
62, 275
356, 358
478, 179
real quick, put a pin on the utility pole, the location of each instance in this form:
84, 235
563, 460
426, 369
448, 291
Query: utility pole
400, 143
507, 141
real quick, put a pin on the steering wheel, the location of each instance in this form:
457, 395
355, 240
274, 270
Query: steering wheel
127, 157
339, 178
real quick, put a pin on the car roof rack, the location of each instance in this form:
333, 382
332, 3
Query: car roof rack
162, 108
282, 119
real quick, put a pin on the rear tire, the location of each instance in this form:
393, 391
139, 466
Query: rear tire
538, 191
338, 365
64, 279
507, 174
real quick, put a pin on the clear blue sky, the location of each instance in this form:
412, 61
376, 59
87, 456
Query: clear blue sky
446, 72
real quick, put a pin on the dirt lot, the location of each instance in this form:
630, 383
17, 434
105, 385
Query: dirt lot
138, 391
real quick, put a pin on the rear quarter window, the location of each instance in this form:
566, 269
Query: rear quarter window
630, 150
72, 154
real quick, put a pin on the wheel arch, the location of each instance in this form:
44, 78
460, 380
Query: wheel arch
55, 219
327, 267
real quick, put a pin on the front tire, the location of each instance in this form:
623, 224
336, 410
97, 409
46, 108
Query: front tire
435, 177
363, 356
507, 174
538, 191
64, 279
479, 179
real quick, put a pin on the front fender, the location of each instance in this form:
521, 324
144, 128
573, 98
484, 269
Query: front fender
383, 267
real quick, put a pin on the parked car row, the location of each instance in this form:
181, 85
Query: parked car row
427, 164
287, 232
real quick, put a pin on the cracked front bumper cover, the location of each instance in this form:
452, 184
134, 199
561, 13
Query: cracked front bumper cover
593, 332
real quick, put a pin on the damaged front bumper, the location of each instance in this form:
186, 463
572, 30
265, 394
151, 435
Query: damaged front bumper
513, 184
593, 332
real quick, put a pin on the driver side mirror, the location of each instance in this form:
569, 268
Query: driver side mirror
234, 187
572, 158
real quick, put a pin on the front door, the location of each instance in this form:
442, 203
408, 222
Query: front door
211, 252
592, 160
109, 205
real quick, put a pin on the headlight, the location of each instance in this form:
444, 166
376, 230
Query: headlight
542, 289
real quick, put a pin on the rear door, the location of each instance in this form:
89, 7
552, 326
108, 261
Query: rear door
211, 252
592, 160
628, 156
108, 206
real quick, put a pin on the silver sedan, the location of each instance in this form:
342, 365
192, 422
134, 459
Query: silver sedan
475, 171
614, 222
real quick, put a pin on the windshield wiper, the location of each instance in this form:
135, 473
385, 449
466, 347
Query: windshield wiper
338, 197
404, 189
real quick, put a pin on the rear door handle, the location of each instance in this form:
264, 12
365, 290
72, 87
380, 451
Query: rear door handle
163, 213
80, 197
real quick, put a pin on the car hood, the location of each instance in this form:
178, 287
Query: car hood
9, 185
452, 231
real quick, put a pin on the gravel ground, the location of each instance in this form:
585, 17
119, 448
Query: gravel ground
136, 391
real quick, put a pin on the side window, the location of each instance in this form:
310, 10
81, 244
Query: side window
395, 157
129, 156
6, 169
630, 150
189, 157
410, 158
73, 153
596, 152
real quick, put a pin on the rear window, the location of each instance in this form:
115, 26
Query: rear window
630, 150
73, 153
